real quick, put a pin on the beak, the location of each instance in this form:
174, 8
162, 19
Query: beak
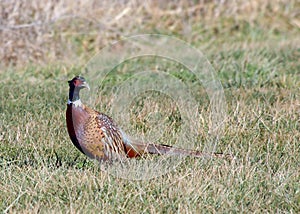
85, 85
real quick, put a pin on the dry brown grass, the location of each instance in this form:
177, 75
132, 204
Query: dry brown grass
48, 31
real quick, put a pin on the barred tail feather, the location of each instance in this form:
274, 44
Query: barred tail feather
136, 150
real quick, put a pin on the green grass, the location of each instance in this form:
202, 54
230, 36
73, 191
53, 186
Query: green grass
258, 66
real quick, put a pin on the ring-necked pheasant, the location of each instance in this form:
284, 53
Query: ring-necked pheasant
97, 135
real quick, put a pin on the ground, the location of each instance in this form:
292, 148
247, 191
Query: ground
254, 49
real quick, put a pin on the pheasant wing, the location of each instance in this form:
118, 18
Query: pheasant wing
103, 139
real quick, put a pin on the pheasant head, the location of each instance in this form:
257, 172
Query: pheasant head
76, 84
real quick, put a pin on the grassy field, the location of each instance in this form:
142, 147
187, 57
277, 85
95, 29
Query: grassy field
255, 50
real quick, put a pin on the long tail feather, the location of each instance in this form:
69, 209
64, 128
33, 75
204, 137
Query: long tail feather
136, 150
